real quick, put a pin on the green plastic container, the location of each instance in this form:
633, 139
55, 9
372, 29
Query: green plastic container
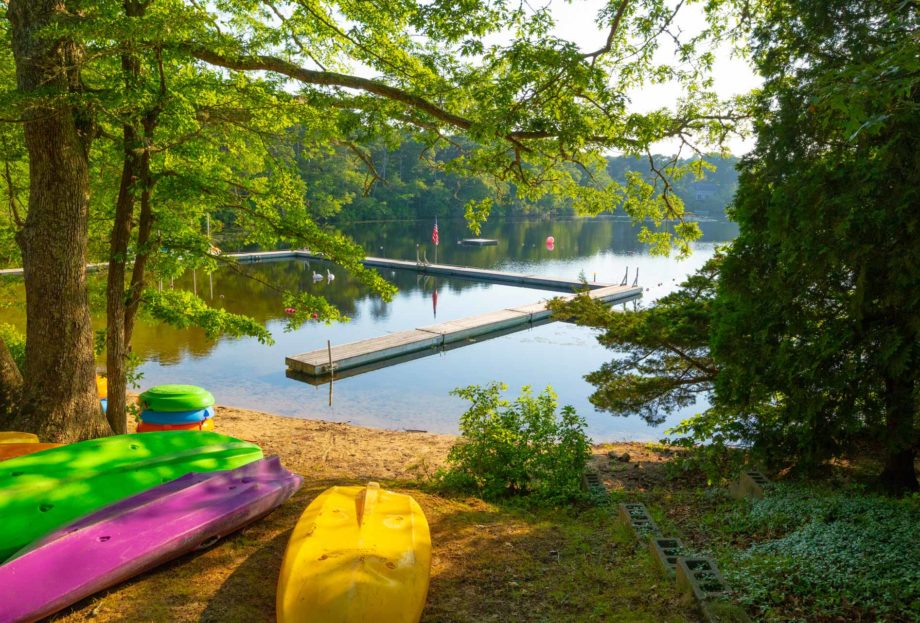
172, 398
41, 492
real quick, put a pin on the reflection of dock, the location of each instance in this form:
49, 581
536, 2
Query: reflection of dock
393, 348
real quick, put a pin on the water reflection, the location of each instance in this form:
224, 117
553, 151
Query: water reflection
414, 394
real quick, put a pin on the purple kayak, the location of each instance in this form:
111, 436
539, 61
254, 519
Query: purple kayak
137, 534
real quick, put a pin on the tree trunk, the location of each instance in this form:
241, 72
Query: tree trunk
59, 401
122, 305
899, 474
10, 383
116, 345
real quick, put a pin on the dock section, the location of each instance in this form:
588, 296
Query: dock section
555, 284
432, 337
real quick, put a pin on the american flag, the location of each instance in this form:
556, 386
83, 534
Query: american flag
434, 234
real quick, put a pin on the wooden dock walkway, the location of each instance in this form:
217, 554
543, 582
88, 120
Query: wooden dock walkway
432, 337
463, 272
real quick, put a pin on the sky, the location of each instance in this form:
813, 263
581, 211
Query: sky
575, 21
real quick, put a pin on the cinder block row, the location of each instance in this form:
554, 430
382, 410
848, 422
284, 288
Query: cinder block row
698, 578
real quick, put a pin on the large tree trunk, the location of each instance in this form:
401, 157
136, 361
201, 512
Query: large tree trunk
59, 401
899, 474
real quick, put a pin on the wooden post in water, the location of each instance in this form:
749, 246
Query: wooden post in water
331, 368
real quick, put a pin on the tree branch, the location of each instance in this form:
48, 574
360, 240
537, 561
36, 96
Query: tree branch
614, 27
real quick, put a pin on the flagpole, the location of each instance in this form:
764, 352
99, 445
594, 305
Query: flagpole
436, 239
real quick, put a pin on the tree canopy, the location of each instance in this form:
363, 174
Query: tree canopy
140, 118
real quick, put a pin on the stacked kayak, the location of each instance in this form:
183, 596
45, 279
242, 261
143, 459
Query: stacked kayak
176, 407
138, 533
102, 390
13, 450
357, 554
42, 492
12, 436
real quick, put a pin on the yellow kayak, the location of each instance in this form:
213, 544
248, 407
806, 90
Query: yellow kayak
102, 387
358, 554
14, 437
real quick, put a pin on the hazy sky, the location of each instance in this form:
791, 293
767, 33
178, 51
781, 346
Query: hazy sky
733, 76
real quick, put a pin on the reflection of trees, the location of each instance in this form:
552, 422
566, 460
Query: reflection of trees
518, 241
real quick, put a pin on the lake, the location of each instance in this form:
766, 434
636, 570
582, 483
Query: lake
415, 394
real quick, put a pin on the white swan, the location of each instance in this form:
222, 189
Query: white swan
317, 276
329, 275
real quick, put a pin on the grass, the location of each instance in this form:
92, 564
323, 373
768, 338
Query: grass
490, 563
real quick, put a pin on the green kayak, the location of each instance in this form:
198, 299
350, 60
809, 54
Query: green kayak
41, 492
172, 398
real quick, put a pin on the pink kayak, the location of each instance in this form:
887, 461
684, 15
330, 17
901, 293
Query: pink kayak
137, 534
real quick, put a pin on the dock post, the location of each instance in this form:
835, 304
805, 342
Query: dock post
331, 368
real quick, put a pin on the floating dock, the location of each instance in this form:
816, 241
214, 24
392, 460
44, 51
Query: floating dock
463, 272
480, 274
479, 242
431, 338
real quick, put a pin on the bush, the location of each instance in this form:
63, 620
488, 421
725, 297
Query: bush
517, 448
16, 343
824, 555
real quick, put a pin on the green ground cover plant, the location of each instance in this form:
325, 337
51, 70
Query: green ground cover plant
821, 554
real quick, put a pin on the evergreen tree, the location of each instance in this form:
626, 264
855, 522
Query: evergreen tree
818, 311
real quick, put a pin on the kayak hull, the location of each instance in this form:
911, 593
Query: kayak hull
137, 534
171, 398
17, 437
177, 417
41, 492
13, 450
145, 427
357, 554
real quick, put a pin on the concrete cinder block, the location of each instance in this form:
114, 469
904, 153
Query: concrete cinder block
750, 484
700, 583
665, 552
699, 580
636, 517
591, 482
754, 484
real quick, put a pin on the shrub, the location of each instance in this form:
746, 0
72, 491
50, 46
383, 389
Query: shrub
517, 448
823, 555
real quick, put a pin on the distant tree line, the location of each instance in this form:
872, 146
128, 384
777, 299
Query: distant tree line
414, 181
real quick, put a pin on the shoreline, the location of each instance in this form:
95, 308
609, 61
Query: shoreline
323, 449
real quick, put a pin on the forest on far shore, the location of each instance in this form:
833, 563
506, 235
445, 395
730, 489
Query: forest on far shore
412, 181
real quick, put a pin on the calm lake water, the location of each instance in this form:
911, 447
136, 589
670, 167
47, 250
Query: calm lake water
415, 394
